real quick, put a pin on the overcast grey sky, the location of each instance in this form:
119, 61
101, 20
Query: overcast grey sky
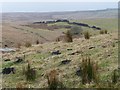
55, 6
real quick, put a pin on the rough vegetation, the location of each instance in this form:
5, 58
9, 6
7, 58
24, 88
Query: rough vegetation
68, 37
30, 73
89, 71
102, 61
87, 35
27, 44
88, 58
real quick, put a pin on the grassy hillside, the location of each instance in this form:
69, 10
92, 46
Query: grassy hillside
104, 51
83, 63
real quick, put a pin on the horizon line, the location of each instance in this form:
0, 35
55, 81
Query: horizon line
59, 11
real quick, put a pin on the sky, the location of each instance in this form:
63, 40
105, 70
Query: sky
59, 0
55, 6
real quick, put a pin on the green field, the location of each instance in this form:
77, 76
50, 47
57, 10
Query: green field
111, 24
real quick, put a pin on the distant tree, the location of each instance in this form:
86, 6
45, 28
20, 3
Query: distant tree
76, 30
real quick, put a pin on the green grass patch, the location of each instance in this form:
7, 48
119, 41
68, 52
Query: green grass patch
7, 64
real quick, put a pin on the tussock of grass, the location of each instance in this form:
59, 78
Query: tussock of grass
89, 71
28, 44
30, 73
53, 80
115, 76
103, 31
86, 35
68, 37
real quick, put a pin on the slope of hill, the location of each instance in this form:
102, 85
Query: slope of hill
15, 31
65, 59
101, 48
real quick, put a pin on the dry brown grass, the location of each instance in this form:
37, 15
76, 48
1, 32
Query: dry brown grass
52, 79
21, 86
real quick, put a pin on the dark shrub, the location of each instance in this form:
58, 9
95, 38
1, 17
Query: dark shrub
76, 30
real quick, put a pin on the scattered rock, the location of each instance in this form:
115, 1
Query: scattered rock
18, 60
72, 53
104, 46
65, 62
79, 72
108, 55
69, 49
91, 47
42, 74
7, 60
38, 51
56, 52
8, 70
77, 52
